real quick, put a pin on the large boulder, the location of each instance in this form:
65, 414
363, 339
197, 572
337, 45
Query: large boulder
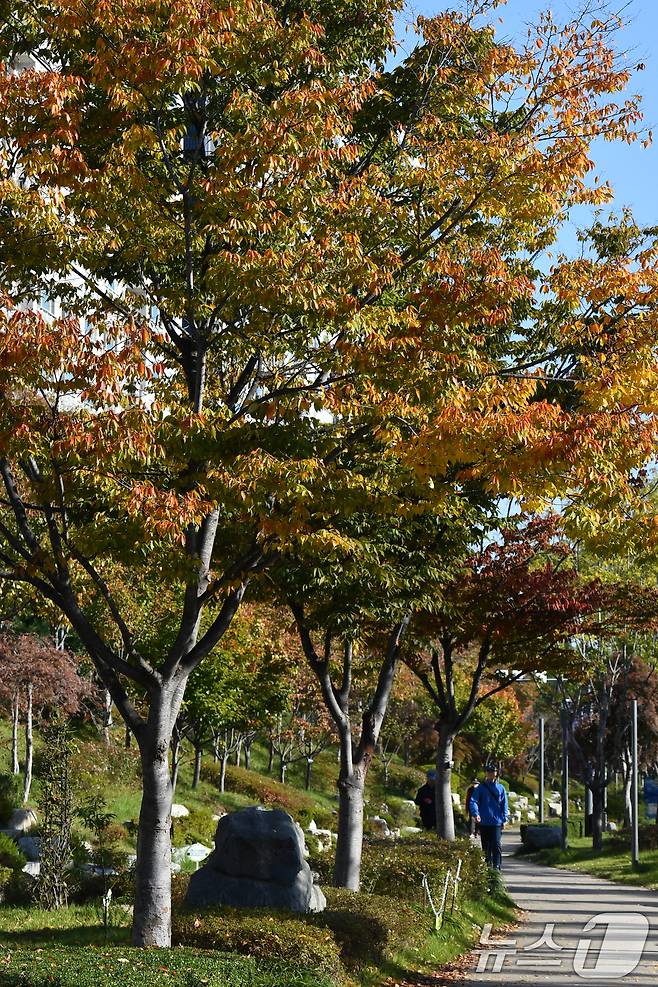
258, 862
541, 837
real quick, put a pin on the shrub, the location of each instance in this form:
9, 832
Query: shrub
396, 867
122, 966
10, 855
20, 889
198, 827
10, 795
258, 933
370, 928
402, 781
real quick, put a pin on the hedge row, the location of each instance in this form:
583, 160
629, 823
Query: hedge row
354, 931
121, 966
263, 934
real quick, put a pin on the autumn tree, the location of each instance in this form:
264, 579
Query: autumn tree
511, 610
36, 678
273, 254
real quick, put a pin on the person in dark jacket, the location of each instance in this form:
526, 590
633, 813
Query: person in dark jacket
488, 806
426, 800
473, 826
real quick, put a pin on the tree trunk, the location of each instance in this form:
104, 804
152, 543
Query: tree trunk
347, 868
270, 762
597, 816
222, 771
107, 718
238, 752
198, 754
445, 820
247, 754
627, 800
175, 760
152, 912
29, 745
128, 738
15, 766
309, 773
283, 766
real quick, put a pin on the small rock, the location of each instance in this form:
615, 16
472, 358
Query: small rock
22, 820
611, 827
179, 811
409, 830
380, 825
33, 868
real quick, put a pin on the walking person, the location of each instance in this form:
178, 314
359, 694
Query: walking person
426, 801
473, 825
488, 806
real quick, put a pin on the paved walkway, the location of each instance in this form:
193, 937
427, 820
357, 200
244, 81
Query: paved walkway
578, 929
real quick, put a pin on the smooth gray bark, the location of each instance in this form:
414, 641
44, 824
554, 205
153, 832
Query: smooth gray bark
107, 717
198, 754
29, 744
152, 911
308, 773
349, 847
222, 771
445, 818
15, 715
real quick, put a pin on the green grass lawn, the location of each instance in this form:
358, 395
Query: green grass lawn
613, 863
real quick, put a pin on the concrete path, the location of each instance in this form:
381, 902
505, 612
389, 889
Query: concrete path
578, 929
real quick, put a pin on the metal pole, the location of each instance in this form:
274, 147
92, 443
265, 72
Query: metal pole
565, 779
541, 768
635, 845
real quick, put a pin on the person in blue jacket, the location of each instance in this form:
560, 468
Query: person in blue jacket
488, 806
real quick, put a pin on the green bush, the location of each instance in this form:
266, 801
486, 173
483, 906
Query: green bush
122, 966
198, 827
370, 928
258, 933
395, 868
10, 855
20, 889
402, 781
10, 795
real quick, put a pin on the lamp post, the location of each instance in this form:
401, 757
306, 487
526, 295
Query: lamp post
542, 754
635, 841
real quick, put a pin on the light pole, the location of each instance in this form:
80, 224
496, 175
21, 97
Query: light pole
635, 841
542, 752
565, 776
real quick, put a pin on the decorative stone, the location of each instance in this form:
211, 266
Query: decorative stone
380, 826
179, 811
33, 868
409, 830
258, 862
532, 815
456, 798
611, 827
30, 846
541, 837
22, 820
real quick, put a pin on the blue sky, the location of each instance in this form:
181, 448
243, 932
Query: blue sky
631, 170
